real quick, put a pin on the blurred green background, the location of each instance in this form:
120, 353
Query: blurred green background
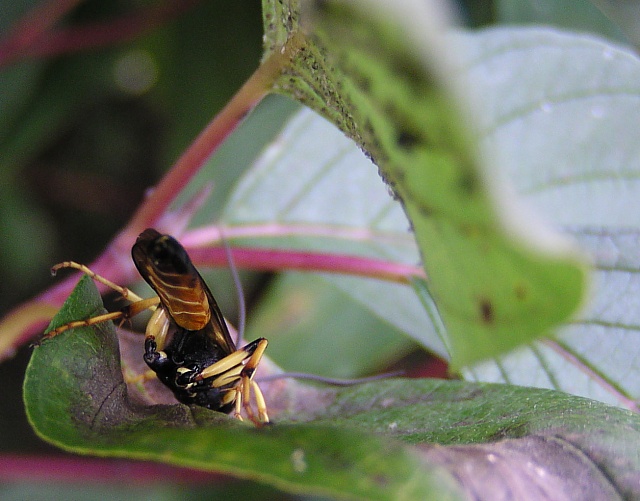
83, 135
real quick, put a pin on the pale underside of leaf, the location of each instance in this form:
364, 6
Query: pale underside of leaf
535, 86
314, 180
352, 206
557, 106
385, 88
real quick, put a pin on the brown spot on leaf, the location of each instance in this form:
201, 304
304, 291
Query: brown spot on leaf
407, 139
468, 184
521, 291
486, 311
425, 210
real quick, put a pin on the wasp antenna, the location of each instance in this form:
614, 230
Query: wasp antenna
242, 306
56, 267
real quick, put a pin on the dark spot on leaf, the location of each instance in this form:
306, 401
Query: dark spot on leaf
409, 134
322, 6
407, 139
521, 292
397, 176
361, 81
425, 210
469, 230
381, 480
368, 128
486, 311
411, 73
468, 183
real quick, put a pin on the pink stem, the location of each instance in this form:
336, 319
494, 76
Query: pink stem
32, 27
28, 468
194, 158
278, 260
35, 36
581, 365
207, 235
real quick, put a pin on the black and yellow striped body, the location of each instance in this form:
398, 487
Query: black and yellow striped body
167, 268
199, 361
187, 342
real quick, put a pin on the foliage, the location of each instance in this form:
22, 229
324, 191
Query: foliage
447, 118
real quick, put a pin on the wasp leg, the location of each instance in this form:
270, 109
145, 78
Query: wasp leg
243, 400
124, 314
247, 384
158, 327
83, 323
261, 404
240, 366
137, 306
123, 291
234, 360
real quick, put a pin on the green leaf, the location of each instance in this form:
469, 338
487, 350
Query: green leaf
315, 327
380, 75
75, 397
382, 434
585, 182
335, 204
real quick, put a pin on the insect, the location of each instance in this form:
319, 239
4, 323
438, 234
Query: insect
187, 341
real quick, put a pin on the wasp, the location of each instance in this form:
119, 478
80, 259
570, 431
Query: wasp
187, 341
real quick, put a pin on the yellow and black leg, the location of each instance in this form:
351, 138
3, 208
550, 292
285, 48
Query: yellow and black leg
137, 306
238, 369
243, 400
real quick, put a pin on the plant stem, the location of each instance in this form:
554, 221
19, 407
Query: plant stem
591, 373
196, 155
32, 27
35, 36
276, 259
203, 236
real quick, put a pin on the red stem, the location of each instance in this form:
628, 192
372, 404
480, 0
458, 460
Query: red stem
194, 158
27, 468
278, 260
117, 265
593, 375
34, 36
33, 26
